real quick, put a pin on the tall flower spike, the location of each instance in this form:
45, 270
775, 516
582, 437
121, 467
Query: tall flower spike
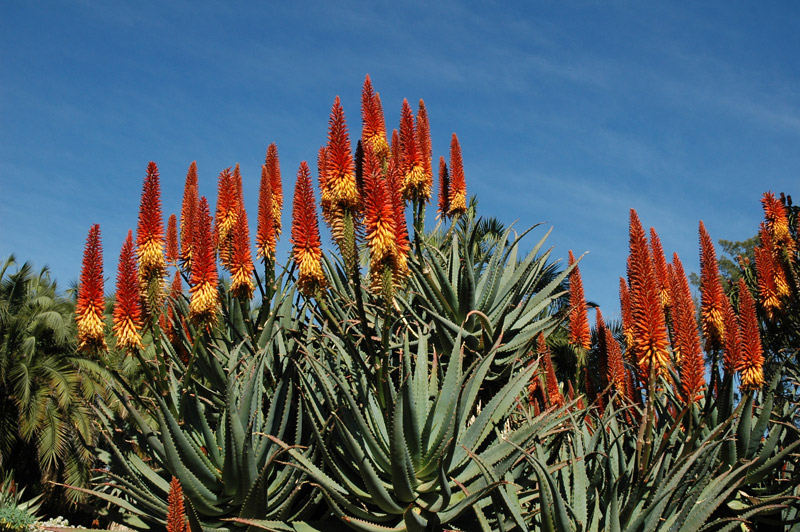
772, 285
751, 361
379, 224
777, 221
686, 337
237, 182
150, 241
602, 349
307, 249
265, 232
579, 333
458, 186
554, 395
732, 355
176, 513
394, 186
340, 179
91, 301
225, 220
204, 300
627, 316
373, 130
660, 262
322, 178
127, 309
423, 132
415, 184
241, 259
172, 240
711, 293
649, 328
616, 367
276, 186
444, 190
395, 149
191, 202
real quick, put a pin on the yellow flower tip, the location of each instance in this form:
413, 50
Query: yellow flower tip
90, 329
151, 257
379, 146
343, 190
382, 240
242, 284
458, 204
310, 276
204, 303
416, 185
127, 334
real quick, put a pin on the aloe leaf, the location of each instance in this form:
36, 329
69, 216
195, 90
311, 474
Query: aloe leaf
117, 501
744, 429
440, 420
493, 413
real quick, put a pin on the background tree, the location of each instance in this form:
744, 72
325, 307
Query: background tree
45, 422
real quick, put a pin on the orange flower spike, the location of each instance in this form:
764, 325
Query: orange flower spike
378, 211
393, 185
373, 130
751, 361
191, 200
380, 225
227, 211
241, 258
150, 231
176, 513
444, 190
276, 186
687, 339
711, 293
777, 221
615, 372
340, 176
732, 354
378, 106
579, 333
602, 349
394, 147
458, 187
415, 184
660, 263
322, 178
307, 249
204, 301
127, 308
554, 395
649, 327
423, 132
625, 310
772, 283
91, 300
766, 274
237, 181
176, 289
265, 232
172, 240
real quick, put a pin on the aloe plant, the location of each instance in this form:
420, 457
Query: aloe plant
487, 296
209, 422
433, 458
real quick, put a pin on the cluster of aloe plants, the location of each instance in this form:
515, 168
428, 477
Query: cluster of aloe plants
406, 383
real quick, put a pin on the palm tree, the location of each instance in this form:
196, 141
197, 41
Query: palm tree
45, 421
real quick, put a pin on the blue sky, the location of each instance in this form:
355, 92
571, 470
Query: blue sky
568, 113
